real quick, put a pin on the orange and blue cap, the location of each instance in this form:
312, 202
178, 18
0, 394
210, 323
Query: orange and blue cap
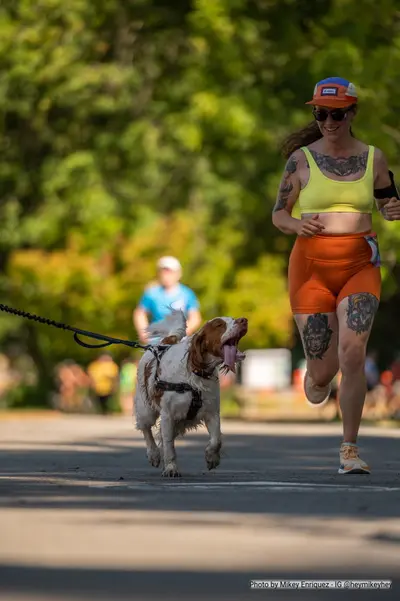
334, 92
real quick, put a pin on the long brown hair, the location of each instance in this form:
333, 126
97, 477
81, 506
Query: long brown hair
309, 134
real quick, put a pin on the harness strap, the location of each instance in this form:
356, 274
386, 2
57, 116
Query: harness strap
203, 373
180, 387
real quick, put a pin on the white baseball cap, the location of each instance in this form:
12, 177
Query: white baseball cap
169, 263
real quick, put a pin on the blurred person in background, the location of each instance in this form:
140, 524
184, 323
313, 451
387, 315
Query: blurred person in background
168, 293
6, 379
73, 384
334, 267
395, 367
127, 383
103, 374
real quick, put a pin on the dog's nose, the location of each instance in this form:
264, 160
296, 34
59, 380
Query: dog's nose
242, 321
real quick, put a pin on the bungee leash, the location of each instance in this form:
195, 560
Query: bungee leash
107, 340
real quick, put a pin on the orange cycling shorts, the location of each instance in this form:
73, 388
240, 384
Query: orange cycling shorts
325, 269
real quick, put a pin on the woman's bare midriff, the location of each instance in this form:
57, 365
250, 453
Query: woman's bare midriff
343, 223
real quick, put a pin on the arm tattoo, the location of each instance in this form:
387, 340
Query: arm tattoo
284, 193
316, 336
302, 182
286, 186
341, 166
291, 165
361, 311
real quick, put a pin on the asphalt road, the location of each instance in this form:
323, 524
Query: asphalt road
83, 516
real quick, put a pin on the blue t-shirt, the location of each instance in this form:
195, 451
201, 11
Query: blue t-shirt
157, 301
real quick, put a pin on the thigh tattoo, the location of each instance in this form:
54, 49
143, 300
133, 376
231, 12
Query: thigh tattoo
317, 335
361, 311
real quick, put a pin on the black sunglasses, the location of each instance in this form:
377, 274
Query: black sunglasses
336, 114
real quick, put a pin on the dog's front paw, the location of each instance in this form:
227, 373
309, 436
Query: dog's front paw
212, 459
154, 457
171, 471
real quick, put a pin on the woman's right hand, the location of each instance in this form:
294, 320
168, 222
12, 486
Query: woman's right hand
310, 226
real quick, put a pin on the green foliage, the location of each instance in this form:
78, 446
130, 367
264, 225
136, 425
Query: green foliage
260, 291
25, 396
230, 406
137, 128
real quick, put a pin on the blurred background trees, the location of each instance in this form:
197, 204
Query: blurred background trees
139, 128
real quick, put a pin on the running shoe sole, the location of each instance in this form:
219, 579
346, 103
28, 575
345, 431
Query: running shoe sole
354, 470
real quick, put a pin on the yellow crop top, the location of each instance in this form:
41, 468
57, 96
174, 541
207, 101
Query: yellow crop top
324, 195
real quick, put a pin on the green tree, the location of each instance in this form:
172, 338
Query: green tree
134, 128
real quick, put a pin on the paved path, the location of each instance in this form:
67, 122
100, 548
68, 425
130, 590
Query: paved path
83, 516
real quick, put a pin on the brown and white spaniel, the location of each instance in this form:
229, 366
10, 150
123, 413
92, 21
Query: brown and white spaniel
180, 385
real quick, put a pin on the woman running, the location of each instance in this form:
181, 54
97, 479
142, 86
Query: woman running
334, 268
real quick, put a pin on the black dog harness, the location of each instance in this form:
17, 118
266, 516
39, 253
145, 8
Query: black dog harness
196, 402
181, 387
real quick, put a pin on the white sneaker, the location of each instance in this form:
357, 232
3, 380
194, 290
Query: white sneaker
316, 395
350, 462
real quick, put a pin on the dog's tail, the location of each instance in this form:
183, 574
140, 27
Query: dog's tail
169, 330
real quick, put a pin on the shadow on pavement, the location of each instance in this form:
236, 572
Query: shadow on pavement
113, 473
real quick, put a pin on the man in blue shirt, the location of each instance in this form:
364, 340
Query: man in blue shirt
168, 293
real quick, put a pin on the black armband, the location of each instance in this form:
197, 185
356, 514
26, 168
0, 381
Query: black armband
388, 192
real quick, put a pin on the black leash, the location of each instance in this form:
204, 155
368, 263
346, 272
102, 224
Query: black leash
49, 322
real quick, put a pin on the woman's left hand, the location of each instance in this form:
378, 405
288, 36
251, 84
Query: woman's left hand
391, 210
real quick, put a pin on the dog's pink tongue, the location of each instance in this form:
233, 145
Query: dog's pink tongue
230, 356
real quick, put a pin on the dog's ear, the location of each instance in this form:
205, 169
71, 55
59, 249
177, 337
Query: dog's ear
196, 351
170, 340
